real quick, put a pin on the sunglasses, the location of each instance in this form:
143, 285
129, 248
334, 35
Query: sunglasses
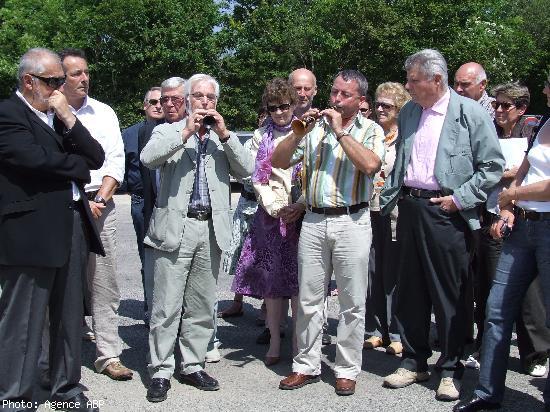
385, 106
363, 110
282, 107
174, 99
153, 102
505, 105
53, 82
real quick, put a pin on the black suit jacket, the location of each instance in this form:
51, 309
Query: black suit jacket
37, 165
148, 176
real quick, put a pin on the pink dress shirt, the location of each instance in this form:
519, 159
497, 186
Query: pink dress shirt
420, 172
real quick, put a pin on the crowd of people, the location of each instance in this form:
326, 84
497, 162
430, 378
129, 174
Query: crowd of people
429, 200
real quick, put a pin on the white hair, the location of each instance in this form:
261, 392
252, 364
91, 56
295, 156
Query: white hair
33, 62
172, 83
430, 62
481, 75
198, 78
148, 93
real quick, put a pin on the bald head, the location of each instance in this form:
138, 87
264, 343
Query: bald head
470, 80
305, 84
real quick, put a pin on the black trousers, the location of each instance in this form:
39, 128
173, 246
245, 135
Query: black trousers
532, 332
380, 306
27, 293
433, 255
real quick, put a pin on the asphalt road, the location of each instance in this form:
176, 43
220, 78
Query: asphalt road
245, 382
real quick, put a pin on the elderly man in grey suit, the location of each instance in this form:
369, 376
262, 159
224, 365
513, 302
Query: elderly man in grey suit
191, 224
448, 156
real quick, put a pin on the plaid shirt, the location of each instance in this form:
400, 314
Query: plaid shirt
485, 100
200, 198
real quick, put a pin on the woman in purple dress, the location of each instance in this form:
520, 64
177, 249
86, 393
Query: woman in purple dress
268, 265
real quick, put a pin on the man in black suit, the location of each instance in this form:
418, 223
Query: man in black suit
46, 233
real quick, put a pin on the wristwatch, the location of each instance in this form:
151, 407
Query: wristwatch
99, 199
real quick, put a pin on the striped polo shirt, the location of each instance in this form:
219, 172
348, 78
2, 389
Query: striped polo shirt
330, 177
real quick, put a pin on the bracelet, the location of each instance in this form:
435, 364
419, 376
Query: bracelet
225, 139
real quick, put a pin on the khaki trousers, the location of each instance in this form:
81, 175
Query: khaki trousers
340, 244
184, 279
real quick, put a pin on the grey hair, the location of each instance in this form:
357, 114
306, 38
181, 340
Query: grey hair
481, 76
172, 83
196, 78
430, 62
148, 93
349, 75
32, 62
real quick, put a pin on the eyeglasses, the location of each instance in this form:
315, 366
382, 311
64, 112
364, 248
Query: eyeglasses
505, 105
53, 82
282, 107
154, 102
176, 100
200, 96
364, 110
385, 106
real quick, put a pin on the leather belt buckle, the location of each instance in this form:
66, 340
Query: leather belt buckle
199, 215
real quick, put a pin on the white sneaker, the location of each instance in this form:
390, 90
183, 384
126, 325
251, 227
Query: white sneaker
213, 356
448, 390
472, 362
403, 377
538, 371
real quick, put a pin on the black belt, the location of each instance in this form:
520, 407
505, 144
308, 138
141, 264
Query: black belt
199, 215
248, 195
91, 195
531, 214
421, 193
342, 210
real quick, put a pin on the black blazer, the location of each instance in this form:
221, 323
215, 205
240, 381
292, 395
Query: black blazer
148, 176
37, 165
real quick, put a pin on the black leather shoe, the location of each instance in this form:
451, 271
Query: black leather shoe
475, 403
201, 380
264, 337
78, 403
158, 389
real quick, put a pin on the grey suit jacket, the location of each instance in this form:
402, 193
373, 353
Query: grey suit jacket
177, 165
468, 162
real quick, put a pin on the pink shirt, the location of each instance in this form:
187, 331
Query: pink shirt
420, 172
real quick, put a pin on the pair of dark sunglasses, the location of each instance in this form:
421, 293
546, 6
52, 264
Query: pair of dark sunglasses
385, 106
53, 82
154, 102
505, 105
175, 99
282, 107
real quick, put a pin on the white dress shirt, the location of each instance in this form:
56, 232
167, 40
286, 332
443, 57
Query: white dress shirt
102, 123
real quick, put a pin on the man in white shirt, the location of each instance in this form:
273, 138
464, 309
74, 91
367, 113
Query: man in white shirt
103, 125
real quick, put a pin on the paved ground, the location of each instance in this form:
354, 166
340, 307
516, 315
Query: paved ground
246, 384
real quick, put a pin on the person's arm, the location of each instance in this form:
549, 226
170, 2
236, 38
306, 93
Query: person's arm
539, 191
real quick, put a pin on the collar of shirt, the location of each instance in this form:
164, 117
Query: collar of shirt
440, 107
84, 108
45, 117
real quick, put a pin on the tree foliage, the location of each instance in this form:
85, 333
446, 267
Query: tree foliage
134, 44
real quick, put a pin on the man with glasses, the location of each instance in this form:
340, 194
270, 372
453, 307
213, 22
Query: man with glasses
471, 82
132, 176
46, 233
341, 152
173, 107
104, 294
189, 228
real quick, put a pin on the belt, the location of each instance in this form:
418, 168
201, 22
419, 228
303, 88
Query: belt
200, 215
91, 195
248, 195
531, 214
342, 210
421, 193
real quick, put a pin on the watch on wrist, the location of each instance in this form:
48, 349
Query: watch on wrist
341, 134
99, 199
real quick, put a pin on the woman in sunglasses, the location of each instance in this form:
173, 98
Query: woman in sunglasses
511, 102
268, 265
525, 208
380, 322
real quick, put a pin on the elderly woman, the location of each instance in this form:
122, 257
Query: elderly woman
511, 102
524, 224
379, 318
268, 264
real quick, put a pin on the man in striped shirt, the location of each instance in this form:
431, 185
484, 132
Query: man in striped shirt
341, 152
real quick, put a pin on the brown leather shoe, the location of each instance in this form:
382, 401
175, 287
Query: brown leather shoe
118, 372
297, 380
345, 387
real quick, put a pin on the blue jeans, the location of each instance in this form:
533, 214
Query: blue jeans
525, 254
